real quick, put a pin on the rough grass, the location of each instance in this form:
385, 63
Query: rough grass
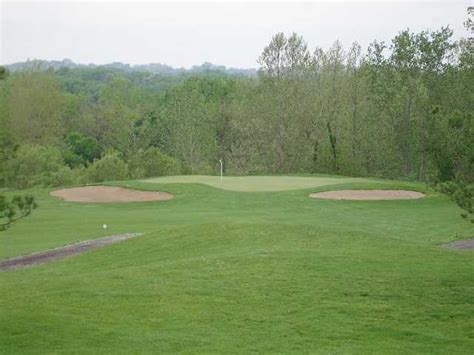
225, 272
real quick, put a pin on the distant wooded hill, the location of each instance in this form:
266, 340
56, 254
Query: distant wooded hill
156, 68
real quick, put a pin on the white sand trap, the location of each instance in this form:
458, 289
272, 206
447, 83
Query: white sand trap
109, 194
368, 195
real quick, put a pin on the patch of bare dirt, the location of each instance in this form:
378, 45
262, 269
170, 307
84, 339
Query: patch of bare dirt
368, 195
461, 244
109, 194
61, 252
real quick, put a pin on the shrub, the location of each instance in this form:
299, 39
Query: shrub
11, 211
463, 194
110, 167
67, 176
151, 162
80, 149
33, 165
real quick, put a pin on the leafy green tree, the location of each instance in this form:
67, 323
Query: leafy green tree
401, 110
80, 149
151, 162
15, 209
110, 166
191, 126
3, 73
34, 165
35, 107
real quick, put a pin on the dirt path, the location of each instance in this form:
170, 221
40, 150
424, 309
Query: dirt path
461, 244
368, 195
61, 252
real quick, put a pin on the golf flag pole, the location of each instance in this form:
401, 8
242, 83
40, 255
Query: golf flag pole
220, 161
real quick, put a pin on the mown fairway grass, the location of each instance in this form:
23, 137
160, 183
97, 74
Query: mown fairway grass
225, 271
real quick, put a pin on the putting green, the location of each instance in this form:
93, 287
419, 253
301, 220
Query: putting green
257, 183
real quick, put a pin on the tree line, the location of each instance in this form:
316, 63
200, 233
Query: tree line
397, 110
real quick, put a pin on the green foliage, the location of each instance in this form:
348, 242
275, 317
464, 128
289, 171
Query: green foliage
8, 148
449, 145
65, 176
402, 110
151, 162
15, 209
34, 165
191, 114
80, 149
463, 194
35, 106
3, 72
110, 166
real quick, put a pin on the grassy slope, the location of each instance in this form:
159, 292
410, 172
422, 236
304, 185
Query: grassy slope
222, 271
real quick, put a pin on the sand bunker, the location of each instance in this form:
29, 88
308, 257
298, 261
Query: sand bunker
368, 195
109, 194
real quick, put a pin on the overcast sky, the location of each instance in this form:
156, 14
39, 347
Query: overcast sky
186, 34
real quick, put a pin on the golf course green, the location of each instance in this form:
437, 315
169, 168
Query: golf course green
252, 264
257, 183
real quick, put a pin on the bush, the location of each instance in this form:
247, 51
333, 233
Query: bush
11, 211
34, 165
151, 162
462, 194
80, 149
67, 176
110, 167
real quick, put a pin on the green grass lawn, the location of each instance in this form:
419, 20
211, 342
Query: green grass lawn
220, 271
